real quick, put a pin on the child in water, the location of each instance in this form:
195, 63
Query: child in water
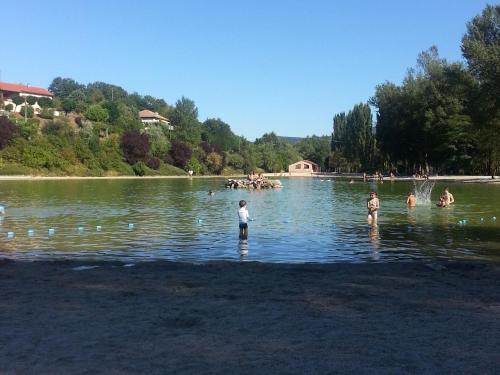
373, 205
243, 219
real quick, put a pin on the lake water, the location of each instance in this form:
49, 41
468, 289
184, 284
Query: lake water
308, 220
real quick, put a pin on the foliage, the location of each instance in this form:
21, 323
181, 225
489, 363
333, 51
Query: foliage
425, 123
194, 165
184, 119
41, 154
481, 49
18, 100
215, 162
97, 113
140, 169
59, 128
7, 131
158, 139
31, 100
180, 152
135, 146
235, 161
46, 113
153, 162
316, 149
29, 129
170, 170
45, 102
9, 107
217, 133
27, 111
63, 87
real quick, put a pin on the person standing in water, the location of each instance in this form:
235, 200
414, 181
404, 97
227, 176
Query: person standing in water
411, 201
373, 205
243, 218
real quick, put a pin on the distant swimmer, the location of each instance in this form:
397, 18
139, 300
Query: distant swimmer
211, 193
373, 205
411, 201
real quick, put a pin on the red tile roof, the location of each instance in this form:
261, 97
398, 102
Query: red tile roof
24, 89
146, 113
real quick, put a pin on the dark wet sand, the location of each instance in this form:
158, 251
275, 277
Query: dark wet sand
250, 318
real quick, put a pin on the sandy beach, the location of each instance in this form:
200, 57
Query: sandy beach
249, 318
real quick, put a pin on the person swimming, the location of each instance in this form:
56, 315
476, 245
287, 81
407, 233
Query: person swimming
211, 193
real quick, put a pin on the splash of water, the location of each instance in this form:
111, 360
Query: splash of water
423, 190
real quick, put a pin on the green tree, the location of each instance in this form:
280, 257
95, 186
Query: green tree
217, 133
160, 145
316, 149
481, 49
63, 87
31, 100
18, 100
97, 113
184, 119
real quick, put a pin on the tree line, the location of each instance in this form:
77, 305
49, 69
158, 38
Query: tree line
444, 118
100, 134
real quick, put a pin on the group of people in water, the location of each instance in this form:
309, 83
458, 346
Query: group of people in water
256, 179
446, 199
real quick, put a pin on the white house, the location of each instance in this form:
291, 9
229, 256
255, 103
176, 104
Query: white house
150, 117
7, 90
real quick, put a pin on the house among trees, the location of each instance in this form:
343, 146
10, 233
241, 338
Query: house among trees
14, 96
149, 117
303, 167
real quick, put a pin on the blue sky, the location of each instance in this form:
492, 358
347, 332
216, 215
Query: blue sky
260, 66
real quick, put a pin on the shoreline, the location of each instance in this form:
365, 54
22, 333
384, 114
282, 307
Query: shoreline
356, 177
229, 317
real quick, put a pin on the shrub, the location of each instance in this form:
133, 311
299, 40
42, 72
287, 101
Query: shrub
236, 161
194, 165
31, 100
180, 153
46, 113
41, 154
7, 131
153, 163
17, 99
29, 129
96, 113
58, 128
139, 168
215, 162
29, 111
135, 146
45, 103
9, 107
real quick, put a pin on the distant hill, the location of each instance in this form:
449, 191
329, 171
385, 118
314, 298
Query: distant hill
291, 140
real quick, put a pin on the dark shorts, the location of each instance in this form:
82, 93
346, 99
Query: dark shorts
243, 225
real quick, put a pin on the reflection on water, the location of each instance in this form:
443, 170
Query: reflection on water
243, 246
309, 220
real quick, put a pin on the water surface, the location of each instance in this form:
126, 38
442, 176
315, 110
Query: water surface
308, 220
